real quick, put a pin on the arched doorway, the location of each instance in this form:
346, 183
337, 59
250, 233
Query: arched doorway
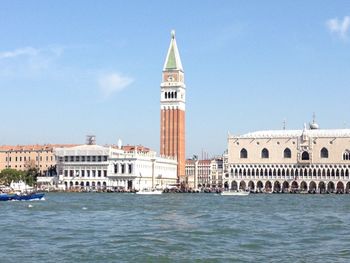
303, 186
251, 186
312, 187
234, 186
277, 187
322, 187
295, 186
259, 186
330, 187
268, 186
347, 187
340, 188
285, 187
226, 186
242, 185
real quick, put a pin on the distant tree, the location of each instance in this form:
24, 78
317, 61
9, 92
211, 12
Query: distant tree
31, 176
9, 175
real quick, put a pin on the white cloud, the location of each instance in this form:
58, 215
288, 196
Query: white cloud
27, 51
28, 61
339, 27
113, 82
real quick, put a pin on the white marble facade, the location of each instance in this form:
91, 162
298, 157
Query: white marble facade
96, 167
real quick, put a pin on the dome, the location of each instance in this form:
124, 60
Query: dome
314, 126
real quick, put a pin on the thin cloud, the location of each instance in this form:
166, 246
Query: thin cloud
27, 51
339, 27
112, 83
28, 61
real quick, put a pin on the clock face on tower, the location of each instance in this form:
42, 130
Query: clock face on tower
170, 78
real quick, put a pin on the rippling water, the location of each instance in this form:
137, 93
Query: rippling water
96, 227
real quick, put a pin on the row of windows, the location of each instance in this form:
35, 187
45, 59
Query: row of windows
83, 158
122, 168
83, 173
291, 172
287, 153
24, 158
171, 95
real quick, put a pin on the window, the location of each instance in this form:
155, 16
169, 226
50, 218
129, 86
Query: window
88, 158
88, 173
130, 168
65, 173
346, 155
99, 173
105, 158
324, 153
244, 154
82, 173
83, 158
116, 168
94, 158
104, 173
305, 156
77, 158
264, 153
287, 153
123, 168
71, 158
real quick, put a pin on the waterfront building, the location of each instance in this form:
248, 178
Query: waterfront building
172, 108
310, 159
87, 167
24, 157
206, 173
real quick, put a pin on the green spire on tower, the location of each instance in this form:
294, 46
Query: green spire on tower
173, 61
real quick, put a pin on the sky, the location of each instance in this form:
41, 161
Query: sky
72, 68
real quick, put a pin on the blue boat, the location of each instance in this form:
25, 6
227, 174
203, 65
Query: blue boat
21, 197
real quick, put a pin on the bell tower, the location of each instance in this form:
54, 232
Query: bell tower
172, 108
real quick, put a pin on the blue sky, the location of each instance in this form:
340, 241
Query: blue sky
70, 68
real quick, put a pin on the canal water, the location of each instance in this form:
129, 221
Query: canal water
102, 227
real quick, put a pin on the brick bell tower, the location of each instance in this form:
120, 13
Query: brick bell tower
172, 109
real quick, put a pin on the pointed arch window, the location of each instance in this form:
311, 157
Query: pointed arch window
287, 153
324, 153
244, 154
265, 153
305, 156
346, 155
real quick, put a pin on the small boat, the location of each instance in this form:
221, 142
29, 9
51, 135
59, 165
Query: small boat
239, 193
149, 192
21, 197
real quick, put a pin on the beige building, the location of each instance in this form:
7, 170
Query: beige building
313, 159
204, 173
23, 157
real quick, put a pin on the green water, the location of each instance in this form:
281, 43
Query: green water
96, 227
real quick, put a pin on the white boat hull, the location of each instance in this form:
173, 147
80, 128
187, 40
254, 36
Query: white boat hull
235, 193
155, 192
